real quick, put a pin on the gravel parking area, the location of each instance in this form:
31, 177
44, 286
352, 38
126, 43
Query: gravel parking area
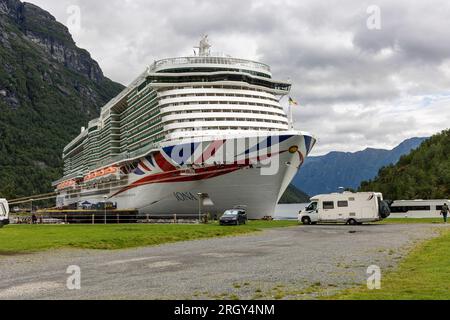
288, 263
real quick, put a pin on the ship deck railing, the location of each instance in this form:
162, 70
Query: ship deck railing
209, 60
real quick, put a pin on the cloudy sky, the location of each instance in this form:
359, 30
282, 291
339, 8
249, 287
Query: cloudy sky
364, 77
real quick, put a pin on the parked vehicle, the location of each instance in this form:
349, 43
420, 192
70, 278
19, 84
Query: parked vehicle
349, 208
235, 216
4, 213
105, 205
418, 208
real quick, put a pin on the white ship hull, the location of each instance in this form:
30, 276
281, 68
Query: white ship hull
256, 176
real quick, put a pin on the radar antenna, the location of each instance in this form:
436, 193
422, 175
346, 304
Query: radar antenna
204, 48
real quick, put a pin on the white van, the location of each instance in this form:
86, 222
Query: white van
4, 213
349, 208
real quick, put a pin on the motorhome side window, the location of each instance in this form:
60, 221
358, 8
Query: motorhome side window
312, 207
406, 209
342, 204
327, 205
2, 210
420, 208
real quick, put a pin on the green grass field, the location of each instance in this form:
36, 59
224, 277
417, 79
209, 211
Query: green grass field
423, 275
16, 239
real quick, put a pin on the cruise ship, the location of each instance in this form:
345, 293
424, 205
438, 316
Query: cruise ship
205, 128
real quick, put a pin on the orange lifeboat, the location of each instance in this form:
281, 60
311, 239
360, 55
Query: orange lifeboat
66, 184
100, 174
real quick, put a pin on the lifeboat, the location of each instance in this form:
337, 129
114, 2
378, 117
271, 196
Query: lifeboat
102, 175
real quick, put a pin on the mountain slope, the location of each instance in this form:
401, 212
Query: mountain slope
325, 174
423, 174
294, 195
49, 88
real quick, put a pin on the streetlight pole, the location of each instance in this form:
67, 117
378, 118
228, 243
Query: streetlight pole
31, 210
104, 205
200, 198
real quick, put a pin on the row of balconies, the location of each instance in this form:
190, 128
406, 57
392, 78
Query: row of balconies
230, 116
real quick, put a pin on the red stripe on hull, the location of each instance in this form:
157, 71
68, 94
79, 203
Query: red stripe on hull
163, 163
175, 175
201, 174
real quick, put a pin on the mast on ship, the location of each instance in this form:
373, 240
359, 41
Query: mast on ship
204, 48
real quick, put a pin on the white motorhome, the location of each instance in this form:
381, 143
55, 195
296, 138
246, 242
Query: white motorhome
4, 212
417, 208
349, 208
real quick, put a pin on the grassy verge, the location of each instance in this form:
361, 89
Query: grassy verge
411, 220
423, 275
16, 239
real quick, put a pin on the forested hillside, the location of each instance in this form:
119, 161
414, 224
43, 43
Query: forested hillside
423, 174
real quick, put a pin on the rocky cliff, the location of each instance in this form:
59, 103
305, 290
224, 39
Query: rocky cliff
49, 88
41, 28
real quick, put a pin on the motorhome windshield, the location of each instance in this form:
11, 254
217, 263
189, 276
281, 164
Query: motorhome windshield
2, 210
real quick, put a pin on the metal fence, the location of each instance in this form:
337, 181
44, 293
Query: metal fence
75, 217
102, 217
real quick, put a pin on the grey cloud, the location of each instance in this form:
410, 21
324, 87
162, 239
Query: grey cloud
417, 30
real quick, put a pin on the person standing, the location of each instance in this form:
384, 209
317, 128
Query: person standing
445, 210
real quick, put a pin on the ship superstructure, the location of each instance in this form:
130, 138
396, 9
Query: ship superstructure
200, 104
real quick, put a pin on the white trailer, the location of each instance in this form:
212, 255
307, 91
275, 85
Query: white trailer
4, 212
349, 208
418, 208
